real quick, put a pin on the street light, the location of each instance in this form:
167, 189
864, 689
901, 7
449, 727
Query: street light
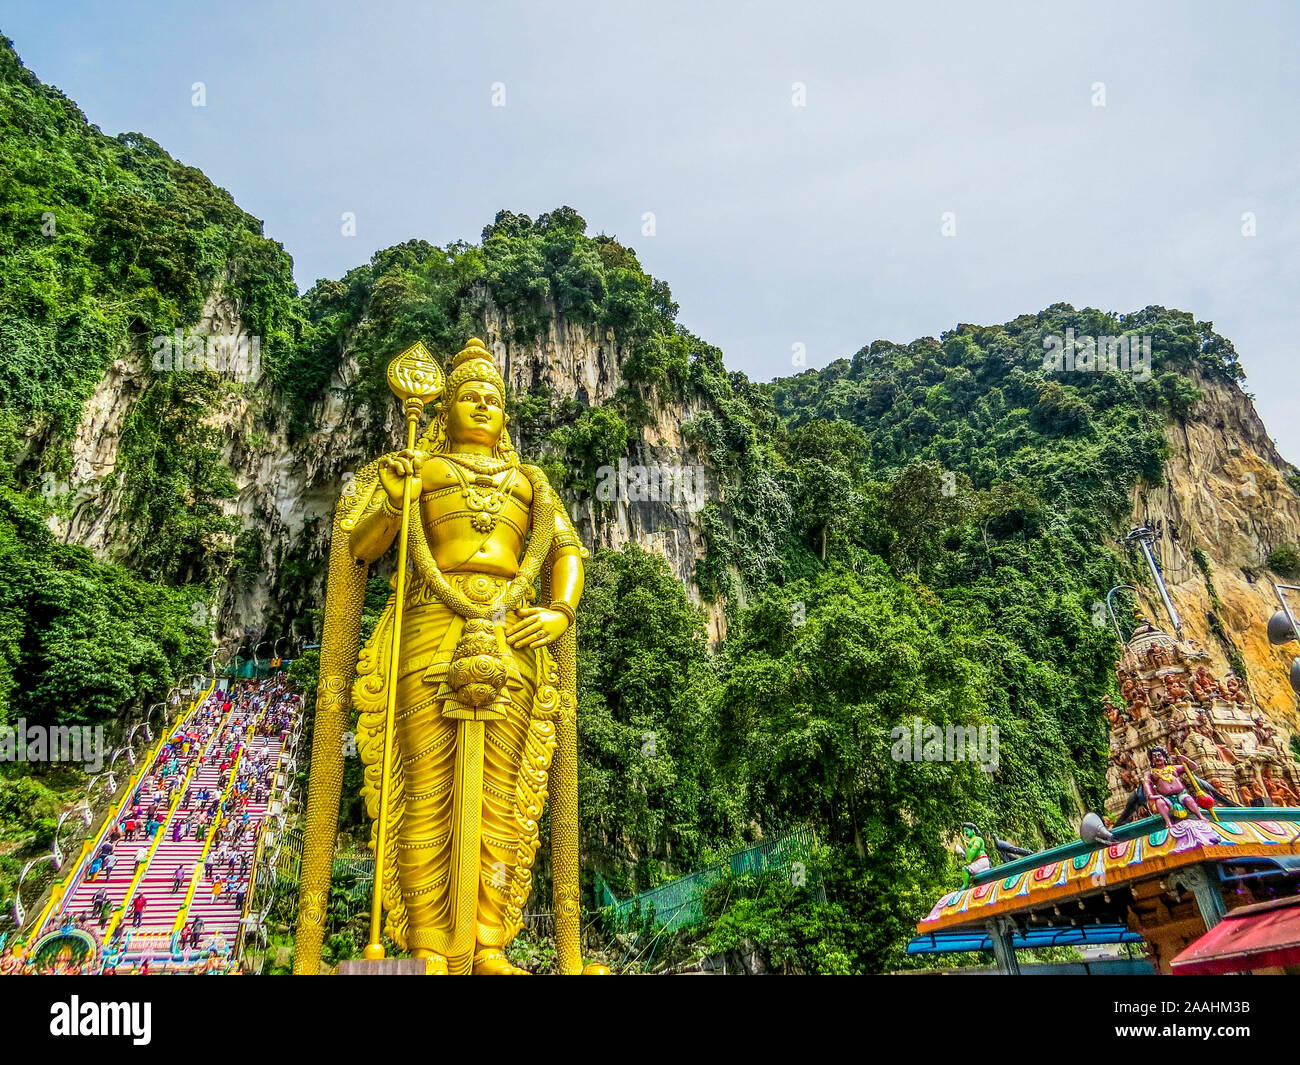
20, 913
1144, 536
1113, 619
1282, 629
110, 782
87, 819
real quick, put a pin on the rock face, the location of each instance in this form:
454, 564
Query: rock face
572, 362
287, 489
1225, 491
1226, 495
95, 506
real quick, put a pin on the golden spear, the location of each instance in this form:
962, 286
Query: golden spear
416, 379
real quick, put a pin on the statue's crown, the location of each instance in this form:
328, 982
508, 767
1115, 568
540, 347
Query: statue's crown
473, 363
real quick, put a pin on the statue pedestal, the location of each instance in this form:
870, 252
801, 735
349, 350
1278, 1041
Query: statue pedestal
383, 967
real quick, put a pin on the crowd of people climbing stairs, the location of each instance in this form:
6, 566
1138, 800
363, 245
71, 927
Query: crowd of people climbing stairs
166, 884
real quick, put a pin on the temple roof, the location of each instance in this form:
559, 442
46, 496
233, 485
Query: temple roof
1143, 849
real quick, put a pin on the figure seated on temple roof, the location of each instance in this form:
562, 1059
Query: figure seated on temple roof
1171, 789
1231, 687
1204, 686
1264, 732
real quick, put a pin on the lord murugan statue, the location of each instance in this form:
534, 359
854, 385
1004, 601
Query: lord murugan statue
465, 691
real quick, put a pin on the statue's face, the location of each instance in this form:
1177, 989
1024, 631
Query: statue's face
1157, 759
477, 415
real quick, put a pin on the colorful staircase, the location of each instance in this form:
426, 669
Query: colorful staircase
156, 937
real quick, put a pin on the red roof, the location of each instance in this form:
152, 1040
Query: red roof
1252, 937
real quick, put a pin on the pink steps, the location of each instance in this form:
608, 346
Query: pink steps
220, 915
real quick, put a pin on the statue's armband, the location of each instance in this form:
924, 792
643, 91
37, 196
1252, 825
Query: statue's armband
373, 526
566, 540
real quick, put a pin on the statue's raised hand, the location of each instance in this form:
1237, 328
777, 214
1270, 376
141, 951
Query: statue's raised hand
395, 468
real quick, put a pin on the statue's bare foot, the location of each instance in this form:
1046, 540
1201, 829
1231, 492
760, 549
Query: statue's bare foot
495, 963
435, 964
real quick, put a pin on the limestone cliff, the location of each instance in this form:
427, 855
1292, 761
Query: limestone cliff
1225, 505
288, 485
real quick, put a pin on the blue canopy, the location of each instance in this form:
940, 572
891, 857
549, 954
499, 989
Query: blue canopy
1047, 936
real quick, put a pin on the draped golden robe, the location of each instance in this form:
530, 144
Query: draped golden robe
462, 843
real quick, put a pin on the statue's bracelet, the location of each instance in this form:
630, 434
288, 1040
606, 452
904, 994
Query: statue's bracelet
560, 606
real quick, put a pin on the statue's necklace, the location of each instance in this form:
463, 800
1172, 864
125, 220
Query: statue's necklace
483, 497
481, 463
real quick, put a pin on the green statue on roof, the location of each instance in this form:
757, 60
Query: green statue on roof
972, 849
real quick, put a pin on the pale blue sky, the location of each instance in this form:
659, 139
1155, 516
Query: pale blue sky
775, 224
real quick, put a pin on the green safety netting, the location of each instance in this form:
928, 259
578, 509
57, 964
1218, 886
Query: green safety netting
672, 905
677, 903
248, 669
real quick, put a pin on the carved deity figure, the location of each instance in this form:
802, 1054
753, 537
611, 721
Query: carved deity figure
1264, 732
1225, 751
1175, 689
1135, 697
1170, 789
482, 694
1232, 690
1204, 686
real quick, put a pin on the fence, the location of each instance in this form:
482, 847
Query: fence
357, 870
677, 903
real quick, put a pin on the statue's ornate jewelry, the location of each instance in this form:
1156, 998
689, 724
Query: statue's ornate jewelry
561, 607
484, 498
480, 464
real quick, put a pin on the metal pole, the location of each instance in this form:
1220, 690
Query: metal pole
1164, 592
1000, 931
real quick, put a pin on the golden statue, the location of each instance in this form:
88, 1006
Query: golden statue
466, 691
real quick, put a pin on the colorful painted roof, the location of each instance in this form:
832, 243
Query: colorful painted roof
1144, 849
